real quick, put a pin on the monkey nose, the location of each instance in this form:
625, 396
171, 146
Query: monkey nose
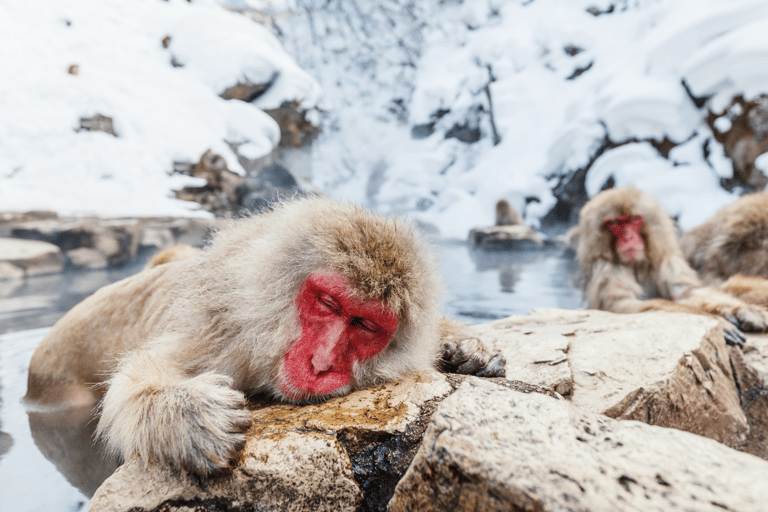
321, 362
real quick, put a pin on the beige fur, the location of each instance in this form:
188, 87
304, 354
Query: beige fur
734, 241
186, 340
506, 215
662, 280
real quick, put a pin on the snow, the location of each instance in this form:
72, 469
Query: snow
161, 113
560, 82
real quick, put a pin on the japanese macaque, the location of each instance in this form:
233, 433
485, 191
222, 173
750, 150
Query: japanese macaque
308, 301
506, 215
631, 261
731, 248
734, 241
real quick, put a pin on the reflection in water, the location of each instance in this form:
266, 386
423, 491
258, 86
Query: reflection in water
489, 285
66, 438
54, 451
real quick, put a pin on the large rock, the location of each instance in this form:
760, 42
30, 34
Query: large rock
515, 237
751, 368
667, 369
493, 449
345, 454
97, 243
25, 258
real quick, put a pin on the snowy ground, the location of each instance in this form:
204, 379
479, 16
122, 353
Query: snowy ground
560, 78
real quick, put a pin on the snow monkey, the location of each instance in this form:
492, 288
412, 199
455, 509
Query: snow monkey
631, 261
308, 301
506, 215
732, 248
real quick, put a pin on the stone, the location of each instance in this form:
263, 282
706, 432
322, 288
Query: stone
517, 237
666, 369
87, 258
25, 258
493, 449
343, 454
751, 368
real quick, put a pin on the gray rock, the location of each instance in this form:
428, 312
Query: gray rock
23, 258
666, 369
493, 449
517, 237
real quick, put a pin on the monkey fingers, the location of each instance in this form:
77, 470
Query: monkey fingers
734, 336
470, 356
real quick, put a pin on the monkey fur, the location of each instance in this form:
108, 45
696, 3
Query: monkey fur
506, 215
734, 241
659, 278
173, 351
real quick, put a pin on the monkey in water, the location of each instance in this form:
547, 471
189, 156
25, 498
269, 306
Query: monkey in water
506, 215
308, 301
631, 261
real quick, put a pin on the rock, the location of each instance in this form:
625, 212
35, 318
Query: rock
338, 455
751, 369
516, 237
87, 258
744, 139
223, 189
25, 258
295, 129
116, 239
666, 369
97, 123
247, 90
345, 454
493, 449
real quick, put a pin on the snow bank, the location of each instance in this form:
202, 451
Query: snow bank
162, 112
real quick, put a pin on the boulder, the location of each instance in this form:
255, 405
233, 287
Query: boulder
332, 456
116, 239
493, 449
666, 369
751, 369
26, 258
516, 237
345, 454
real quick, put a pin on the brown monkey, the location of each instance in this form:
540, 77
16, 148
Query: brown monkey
734, 241
308, 301
506, 215
631, 261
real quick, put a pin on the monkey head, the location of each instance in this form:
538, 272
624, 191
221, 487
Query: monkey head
627, 236
338, 331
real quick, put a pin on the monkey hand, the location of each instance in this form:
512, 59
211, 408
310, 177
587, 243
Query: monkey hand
470, 356
197, 424
732, 334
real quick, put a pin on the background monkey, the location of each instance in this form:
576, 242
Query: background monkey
732, 248
309, 301
631, 261
506, 215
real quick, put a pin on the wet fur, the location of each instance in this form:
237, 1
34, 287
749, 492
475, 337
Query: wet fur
663, 280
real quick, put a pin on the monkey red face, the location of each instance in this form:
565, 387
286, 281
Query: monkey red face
337, 330
626, 235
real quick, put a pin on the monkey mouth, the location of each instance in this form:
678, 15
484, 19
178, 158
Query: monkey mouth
299, 383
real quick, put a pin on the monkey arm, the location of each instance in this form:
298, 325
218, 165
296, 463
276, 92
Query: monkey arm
749, 317
155, 411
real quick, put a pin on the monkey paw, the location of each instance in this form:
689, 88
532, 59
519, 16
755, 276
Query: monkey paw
749, 318
197, 424
469, 356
